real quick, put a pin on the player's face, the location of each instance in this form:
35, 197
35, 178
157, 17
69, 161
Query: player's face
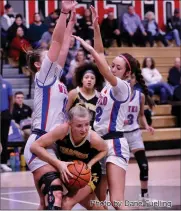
89, 80
133, 80
118, 67
80, 127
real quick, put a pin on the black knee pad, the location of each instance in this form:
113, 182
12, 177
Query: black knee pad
143, 164
46, 180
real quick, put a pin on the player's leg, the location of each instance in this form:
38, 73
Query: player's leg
142, 161
116, 183
48, 180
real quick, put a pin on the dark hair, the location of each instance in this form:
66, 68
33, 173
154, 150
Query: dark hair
141, 81
18, 93
57, 11
7, 6
19, 16
32, 57
135, 68
152, 61
80, 71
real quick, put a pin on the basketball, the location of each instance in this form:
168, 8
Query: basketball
81, 175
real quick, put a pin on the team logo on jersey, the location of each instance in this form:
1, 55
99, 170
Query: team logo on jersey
71, 152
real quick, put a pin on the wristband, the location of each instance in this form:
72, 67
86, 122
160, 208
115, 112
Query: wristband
65, 13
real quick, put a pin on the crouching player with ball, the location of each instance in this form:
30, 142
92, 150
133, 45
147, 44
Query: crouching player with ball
74, 141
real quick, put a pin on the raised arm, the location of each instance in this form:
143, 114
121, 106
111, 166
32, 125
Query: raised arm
97, 143
58, 33
67, 38
39, 148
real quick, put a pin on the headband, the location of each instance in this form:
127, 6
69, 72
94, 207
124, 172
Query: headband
89, 71
126, 61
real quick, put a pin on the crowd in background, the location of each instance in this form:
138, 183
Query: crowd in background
17, 39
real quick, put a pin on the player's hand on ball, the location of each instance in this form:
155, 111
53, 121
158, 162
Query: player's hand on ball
83, 43
68, 5
64, 172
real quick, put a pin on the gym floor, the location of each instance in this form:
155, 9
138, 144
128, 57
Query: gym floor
18, 192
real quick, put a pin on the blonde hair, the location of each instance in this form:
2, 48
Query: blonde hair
150, 13
80, 111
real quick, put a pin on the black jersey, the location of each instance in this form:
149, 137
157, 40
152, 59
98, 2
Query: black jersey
68, 151
90, 103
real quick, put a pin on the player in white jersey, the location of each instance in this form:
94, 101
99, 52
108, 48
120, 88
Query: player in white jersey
111, 112
49, 104
132, 129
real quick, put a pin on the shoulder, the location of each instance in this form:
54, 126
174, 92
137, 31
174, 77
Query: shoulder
72, 93
94, 136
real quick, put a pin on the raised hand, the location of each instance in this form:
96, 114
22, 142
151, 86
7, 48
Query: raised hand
94, 16
68, 5
73, 18
83, 43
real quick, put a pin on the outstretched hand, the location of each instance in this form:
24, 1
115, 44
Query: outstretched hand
73, 18
83, 43
94, 16
68, 5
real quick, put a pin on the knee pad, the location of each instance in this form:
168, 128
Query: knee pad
46, 180
143, 164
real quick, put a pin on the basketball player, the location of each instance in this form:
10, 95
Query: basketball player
132, 129
75, 141
49, 103
111, 112
88, 80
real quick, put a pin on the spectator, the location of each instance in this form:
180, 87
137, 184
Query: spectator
74, 46
6, 110
17, 48
52, 17
84, 26
134, 31
174, 76
152, 30
47, 36
6, 21
174, 27
154, 81
110, 31
80, 59
13, 29
22, 114
36, 30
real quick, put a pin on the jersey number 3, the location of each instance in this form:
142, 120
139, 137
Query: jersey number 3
130, 118
98, 113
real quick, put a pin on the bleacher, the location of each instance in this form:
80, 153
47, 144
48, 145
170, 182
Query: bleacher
163, 121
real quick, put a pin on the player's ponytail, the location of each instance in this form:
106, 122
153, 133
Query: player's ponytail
141, 81
33, 56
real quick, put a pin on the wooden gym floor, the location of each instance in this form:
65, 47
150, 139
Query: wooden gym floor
18, 192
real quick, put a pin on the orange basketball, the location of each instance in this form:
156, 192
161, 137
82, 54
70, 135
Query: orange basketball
81, 175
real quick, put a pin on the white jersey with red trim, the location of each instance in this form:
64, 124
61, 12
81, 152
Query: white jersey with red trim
50, 97
133, 112
111, 108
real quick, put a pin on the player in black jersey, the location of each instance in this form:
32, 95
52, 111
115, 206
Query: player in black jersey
88, 82
75, 140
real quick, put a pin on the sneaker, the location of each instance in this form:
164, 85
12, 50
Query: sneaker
5, 168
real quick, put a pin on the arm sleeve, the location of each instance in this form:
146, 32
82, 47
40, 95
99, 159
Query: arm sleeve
140, 24
10, 91
48, 71
157, 77
120, 92
125, 24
